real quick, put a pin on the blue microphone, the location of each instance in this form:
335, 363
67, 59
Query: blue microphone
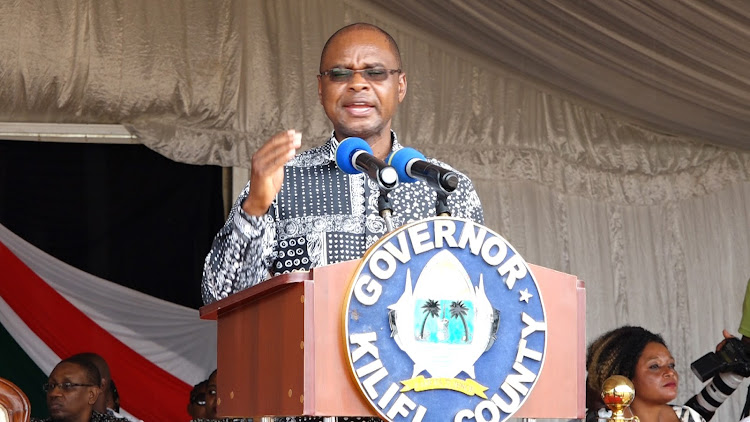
354, 155
411, 165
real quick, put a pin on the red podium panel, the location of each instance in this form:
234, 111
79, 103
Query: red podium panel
281, 352
563, 375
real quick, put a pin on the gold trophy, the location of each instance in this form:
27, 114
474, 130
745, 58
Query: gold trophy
617, 393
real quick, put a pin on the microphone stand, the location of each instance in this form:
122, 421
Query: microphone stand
385, 207
441, 205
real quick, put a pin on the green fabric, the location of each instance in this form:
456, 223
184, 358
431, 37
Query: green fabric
18, 368
745, 322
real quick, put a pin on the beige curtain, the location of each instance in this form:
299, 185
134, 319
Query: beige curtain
655, 221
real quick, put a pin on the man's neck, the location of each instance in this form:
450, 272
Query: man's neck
75, 418
381, 144
100, 406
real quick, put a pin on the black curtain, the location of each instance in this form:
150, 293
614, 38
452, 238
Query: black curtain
121, 212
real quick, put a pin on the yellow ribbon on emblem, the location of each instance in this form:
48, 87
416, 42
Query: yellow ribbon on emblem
467, 386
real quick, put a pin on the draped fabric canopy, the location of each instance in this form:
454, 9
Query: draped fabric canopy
206, 82
678, 66
607, 139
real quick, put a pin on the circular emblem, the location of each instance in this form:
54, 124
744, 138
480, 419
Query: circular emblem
444, 321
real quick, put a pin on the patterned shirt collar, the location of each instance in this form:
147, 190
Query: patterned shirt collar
333, 143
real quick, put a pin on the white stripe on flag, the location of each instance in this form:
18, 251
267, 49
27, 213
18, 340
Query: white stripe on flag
171, 336
37, 350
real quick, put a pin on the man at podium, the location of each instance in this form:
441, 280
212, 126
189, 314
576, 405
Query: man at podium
301, 211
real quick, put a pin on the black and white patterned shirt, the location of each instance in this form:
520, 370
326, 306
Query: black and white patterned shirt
321, 216
95, 417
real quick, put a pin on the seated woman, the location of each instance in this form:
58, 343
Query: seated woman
644, 358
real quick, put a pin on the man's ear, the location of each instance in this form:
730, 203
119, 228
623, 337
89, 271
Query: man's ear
320, 89
401, 86
93, 394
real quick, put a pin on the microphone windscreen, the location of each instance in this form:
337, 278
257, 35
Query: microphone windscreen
400, 159
345, 151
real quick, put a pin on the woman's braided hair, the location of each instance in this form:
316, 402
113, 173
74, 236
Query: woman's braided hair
616, 353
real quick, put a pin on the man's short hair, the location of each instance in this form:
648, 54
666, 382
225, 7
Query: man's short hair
358, 27
91, 373
99, 361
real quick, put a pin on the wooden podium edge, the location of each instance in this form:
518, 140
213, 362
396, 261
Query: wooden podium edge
329, 286
253, 293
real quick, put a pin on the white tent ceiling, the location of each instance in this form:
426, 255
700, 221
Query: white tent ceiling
681, 68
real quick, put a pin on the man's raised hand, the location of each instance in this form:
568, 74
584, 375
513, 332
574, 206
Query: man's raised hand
267, 171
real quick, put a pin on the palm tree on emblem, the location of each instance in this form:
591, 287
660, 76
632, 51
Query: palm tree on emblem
458, 309
430, 308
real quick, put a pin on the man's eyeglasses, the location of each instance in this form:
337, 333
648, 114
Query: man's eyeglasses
65, 386
372, 74
199, 399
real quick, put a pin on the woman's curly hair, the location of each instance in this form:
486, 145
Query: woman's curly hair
616, 353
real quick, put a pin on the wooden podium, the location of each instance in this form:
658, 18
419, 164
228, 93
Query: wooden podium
281, 352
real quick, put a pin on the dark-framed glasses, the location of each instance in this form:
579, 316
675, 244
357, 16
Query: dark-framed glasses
199, 399
65, 386
372, 74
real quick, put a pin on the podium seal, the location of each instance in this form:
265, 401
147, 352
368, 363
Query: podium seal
444, 321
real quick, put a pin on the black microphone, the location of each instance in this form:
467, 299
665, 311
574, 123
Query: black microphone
412, 165
354, 155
